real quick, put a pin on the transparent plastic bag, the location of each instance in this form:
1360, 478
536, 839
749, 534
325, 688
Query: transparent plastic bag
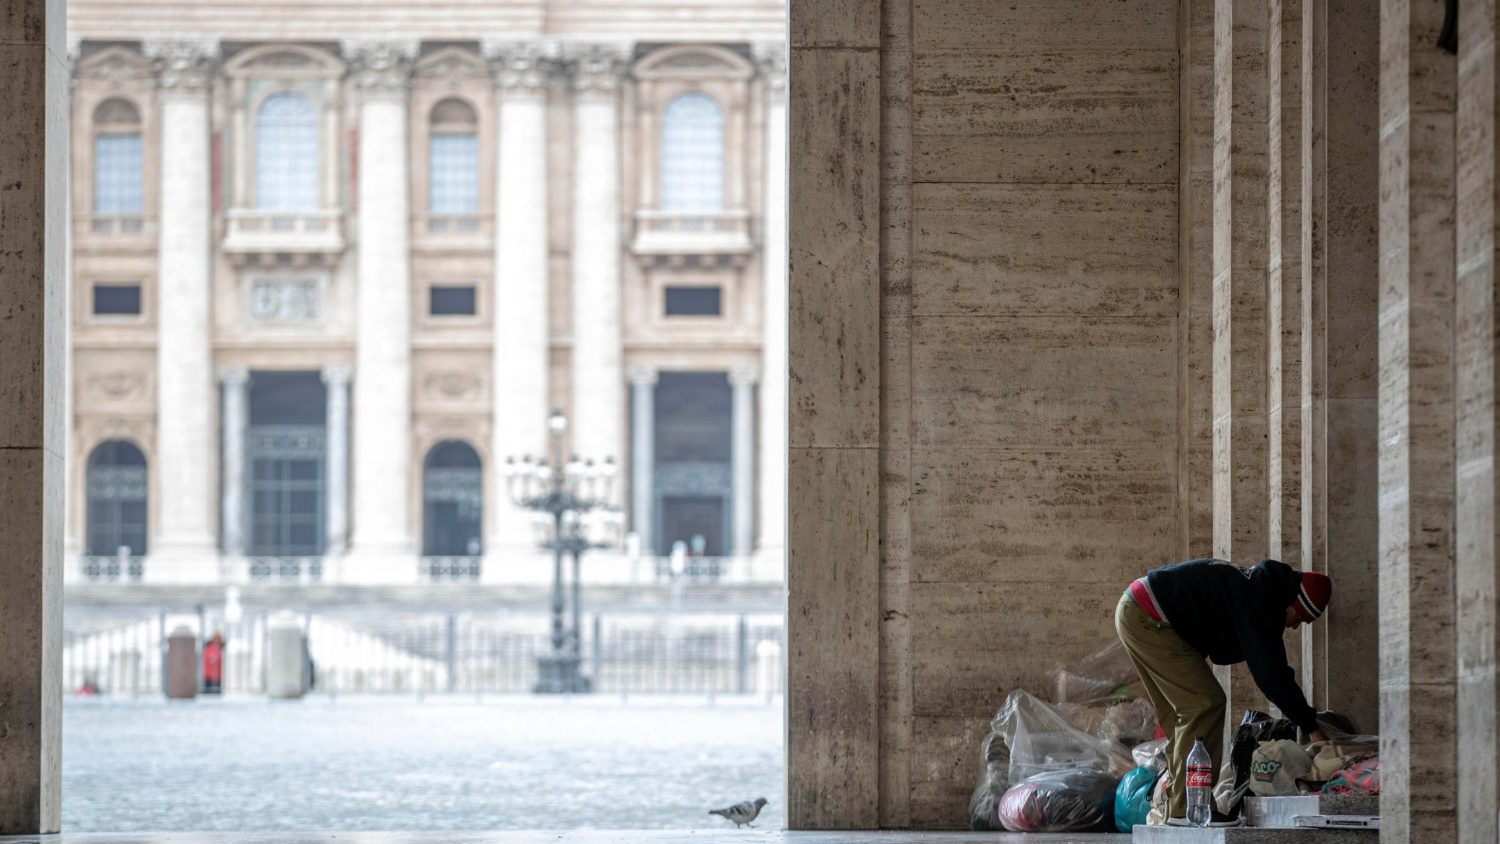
1098, 676
1060, 801
1029, 736
1150, 754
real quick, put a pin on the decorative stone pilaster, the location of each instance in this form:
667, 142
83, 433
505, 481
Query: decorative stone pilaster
771, 61
742, 450
233, 386
643, 456
598, 382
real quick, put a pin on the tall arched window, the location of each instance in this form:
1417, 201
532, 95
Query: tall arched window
115, 506
117, 158
286, 153
452, 501
692, 154
453, 159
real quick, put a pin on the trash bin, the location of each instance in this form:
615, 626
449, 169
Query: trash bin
286, 664
182, 665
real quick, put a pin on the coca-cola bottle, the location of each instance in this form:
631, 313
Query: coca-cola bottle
1200, 785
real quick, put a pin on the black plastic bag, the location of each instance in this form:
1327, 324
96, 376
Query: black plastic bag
1060, 801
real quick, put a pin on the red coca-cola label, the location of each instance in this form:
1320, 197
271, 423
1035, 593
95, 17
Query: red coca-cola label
1200, 777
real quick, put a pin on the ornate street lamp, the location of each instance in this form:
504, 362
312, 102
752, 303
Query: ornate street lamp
576, 495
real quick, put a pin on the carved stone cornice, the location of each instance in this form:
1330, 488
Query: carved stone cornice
380, 68
183, 67
522, 67
770, 61
597, 69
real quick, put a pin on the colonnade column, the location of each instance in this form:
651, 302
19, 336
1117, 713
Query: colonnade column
598, 381
773, 257
1416, 425
234, 385
183, 547
521, 337
643, 456
336, 382
1240, 252
382, 396
742, 464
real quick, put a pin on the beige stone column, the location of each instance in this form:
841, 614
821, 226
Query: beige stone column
598, 404
186, 456
1477, 576
1240, 253
521, 352
742, 448
773, 256
1284, 280
1416, 425
643, 456
382, 538
33, 220
234, 387
336, 423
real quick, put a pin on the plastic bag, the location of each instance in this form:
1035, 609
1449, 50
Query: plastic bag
1029, 736
1133, 798
1151, 754
1097, 676
1060, 801
1158, 814
1275, 767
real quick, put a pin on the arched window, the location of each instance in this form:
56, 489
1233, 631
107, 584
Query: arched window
692, 154
115, 506
117, 158
452, 501
286, 153
453, 159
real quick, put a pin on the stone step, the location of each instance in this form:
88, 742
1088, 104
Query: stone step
1279, 811
1251, 835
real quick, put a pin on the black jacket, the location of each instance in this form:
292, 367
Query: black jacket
1233, 614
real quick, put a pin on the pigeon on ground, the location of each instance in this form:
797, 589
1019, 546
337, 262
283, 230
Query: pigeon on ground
741, 813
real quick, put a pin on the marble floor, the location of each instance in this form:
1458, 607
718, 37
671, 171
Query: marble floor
713, 836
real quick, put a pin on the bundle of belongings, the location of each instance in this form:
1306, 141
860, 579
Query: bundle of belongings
1266, 760
1058, 766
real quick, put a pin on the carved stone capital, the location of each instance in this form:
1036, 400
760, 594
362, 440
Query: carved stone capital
233, 377
597, 69
641, 375
770, 61
337, 375
183, 67
522, 67
744, 376
380, 68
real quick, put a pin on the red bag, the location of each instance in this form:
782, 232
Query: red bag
1360, 777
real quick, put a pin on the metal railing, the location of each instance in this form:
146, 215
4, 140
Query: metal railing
449, 567
285, 569
112, 569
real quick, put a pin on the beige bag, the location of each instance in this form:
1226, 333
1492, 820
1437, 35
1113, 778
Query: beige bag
1330, 757
1275, 767
1158, 814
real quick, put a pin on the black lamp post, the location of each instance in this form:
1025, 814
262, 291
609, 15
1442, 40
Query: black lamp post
568, 491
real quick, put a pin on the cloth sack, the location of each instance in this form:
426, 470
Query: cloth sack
1360, 777
1330, 757
1158, 814
1275, 767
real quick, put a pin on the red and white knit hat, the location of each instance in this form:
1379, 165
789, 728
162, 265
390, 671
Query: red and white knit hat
1313, 595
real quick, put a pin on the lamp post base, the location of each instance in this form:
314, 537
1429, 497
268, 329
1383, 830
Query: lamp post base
557, 674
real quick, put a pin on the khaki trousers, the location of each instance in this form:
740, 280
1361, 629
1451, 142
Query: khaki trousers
1188, 699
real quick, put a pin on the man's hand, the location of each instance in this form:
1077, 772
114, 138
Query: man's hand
1316, 736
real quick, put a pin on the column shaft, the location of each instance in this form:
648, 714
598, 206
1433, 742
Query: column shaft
598, 381
336, 381
185, 454
1240, 251
643, 458
742, 467
521, 338
234, 383
773, 405
382, 396
1416, 425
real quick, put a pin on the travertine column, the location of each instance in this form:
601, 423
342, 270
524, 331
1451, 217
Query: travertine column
1417, 689
33, 219
1241, 214
742, 463
336, 423
773, 408
598, 381
382, 396
185, 452
1477, 576
234, 385
643, 456
519, 393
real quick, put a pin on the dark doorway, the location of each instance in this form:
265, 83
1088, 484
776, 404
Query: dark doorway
285, 454
693, 481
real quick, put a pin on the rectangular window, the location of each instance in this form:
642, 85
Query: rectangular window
451, 300
453, 169
117, 174
693, 301
117, 300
